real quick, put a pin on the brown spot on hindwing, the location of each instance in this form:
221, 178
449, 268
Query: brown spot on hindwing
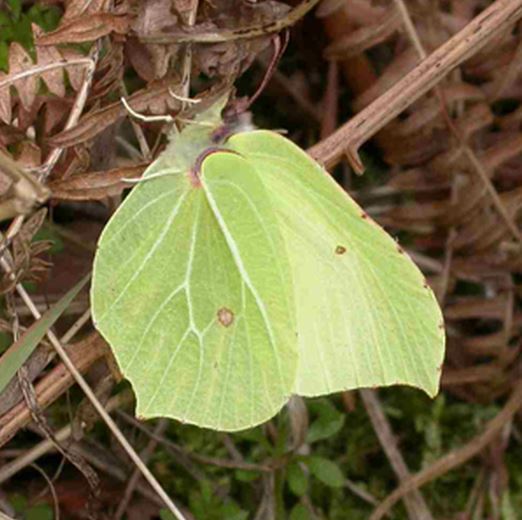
340, 250
225, 317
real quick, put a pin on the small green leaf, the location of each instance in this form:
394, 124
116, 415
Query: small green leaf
39, 512
326, 471
17, 354
246, 476
506, 506
328, 422
297, 479
50, 233
15, 7
4, 54
300, 512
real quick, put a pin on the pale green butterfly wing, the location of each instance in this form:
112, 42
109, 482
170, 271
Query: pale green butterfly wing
365, 314
193, 294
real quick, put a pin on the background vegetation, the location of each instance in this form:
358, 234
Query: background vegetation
444, 177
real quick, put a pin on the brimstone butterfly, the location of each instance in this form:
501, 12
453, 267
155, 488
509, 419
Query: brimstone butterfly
240, 273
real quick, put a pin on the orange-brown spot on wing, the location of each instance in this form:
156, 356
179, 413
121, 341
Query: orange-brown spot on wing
225, 317
340, 250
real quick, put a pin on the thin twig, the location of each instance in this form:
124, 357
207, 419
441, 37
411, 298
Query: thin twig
414, 502
187, 57
50, 485
29, 456
75, 327
40, 69
98, 457
481, 30
456, 457
202, 459
74, 114
161, 426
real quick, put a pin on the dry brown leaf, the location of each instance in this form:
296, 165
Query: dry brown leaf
10, 135
89, 126
477, 307
75, 8
400, 66
508, 147
109, 72
420, 180
362, 12
154, 16
56, 110
29, 155
152, 61
155, 99
19, 62
44, 55
95, 185
27, 117
74, 161
76, 74
24, 76
86, 29
5, 101
368, 36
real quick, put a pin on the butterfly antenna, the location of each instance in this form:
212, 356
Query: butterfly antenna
279, 43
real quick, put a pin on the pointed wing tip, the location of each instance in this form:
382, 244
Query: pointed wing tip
430, 388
